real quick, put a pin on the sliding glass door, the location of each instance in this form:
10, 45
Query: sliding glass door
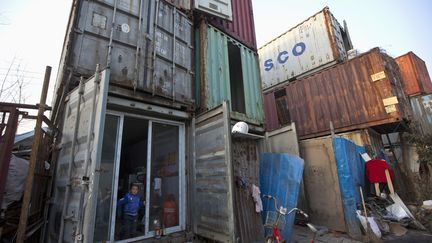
142, 180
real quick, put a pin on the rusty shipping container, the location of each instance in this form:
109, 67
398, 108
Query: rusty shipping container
318, 42
365, 91
146, 43
415, 75
241, 27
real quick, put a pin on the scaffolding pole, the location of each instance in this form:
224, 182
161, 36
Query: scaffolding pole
22, 226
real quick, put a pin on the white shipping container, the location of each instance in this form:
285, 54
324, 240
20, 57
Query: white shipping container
316, 43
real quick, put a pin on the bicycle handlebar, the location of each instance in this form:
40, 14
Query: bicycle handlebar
279, 210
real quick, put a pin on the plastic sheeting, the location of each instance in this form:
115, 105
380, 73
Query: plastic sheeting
16, 178
351, 173
280, 176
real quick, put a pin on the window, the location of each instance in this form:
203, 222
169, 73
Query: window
236, 78
282, 107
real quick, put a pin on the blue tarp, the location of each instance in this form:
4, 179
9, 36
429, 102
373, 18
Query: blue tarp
351, 173
280, 176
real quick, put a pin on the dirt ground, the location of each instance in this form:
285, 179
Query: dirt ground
303, 234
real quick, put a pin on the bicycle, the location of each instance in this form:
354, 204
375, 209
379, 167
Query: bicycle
276, 220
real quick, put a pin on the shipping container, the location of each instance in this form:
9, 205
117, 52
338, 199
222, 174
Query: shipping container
422, 113
147, 45
109, 143
224, 170
415, 75
241, 27
227, 70
365, 91
316, 43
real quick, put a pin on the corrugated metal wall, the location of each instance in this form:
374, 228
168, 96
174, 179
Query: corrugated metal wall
151, 48
422, 113
214, 73
242, 26
246, 168
415, 74
362, 92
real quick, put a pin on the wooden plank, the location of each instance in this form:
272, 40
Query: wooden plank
377, 189
389, 182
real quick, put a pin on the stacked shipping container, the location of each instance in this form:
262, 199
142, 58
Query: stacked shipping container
227, 70
316, 43
418, 86
365, 91
309, 81
146, 44
415, 75
150, 62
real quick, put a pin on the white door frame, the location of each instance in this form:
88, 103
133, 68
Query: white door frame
182, 174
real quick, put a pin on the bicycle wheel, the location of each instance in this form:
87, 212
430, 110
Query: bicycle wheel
270, 239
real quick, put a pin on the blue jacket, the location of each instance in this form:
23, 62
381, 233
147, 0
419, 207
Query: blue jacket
131, 204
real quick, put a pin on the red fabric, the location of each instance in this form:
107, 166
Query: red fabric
375, 171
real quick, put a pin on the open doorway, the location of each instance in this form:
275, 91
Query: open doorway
236, 78
132, 173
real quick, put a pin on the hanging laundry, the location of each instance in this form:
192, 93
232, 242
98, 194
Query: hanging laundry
375, 171
257, 198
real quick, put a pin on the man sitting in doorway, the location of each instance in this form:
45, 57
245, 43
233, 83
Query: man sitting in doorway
131, 203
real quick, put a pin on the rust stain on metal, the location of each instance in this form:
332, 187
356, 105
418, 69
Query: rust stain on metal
344, 95
331, 33
203, 42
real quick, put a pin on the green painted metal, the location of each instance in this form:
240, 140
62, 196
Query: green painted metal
217, 79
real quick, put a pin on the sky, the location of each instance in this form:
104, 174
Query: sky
32, 33
398, 26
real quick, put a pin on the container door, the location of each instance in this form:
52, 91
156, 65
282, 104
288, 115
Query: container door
283, 140
219, 8
82, 133
212, 176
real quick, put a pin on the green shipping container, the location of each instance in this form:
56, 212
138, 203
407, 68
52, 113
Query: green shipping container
227, 70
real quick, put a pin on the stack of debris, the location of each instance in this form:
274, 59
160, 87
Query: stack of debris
388, 214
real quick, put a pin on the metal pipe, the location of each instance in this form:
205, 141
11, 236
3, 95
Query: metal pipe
138, 49
71, 160
153, 48
111, 35
90, 135
173, 56
21, 234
